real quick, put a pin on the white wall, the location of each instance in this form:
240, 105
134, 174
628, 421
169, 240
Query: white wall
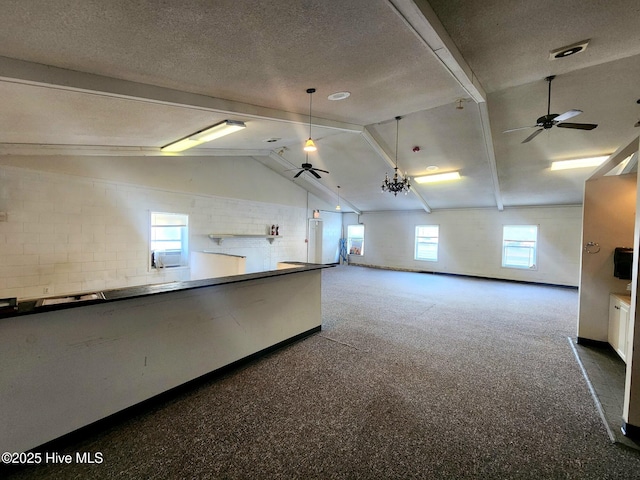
230, 177
471, 242
67, 232
331, 231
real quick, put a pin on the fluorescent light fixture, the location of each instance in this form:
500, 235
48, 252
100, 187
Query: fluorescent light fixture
578, 163
438, 177
218, 130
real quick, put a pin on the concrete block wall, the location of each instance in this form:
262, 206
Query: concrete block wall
470, 242
66, 234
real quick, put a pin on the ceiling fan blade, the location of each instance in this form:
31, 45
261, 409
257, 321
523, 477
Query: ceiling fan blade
579, 126
315, 174
567, 115
519, 128
320, 170
298, 174
532, 136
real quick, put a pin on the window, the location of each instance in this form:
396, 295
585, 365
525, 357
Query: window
355, 239
169, 240
519, 246
427, 242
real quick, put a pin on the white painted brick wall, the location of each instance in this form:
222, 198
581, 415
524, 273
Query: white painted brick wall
470, 242
72, 234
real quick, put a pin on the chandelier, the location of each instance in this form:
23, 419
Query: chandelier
398, 183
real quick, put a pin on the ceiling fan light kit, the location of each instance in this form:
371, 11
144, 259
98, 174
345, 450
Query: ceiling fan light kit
218, 130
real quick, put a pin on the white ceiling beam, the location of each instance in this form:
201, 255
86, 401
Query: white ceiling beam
25, 149
631, 165
425, 24
27, 73
375, 144
491, 155
422, 20
616, 158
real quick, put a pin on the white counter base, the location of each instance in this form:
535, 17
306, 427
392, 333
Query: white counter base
65, 369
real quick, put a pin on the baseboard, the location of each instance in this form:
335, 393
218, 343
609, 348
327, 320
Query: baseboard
430, 272
587, 342
631, 431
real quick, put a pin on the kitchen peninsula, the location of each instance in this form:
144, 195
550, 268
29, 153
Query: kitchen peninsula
69, 364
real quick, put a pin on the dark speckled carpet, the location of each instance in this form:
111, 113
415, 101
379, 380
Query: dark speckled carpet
413, 376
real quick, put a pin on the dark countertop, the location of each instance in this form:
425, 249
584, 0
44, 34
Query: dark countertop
27, 307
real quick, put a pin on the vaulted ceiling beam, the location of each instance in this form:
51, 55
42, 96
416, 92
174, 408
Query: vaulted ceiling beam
422, 20
28, 73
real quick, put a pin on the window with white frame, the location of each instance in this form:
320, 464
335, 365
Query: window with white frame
169, 240
355, 239
427, 242
519, 246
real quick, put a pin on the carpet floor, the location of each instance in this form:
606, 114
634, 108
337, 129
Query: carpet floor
412, 376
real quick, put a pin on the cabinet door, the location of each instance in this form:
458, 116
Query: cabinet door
614, 323
623, 330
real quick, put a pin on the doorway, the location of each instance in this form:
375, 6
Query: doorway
314, 247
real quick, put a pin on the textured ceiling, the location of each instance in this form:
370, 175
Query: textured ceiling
109, 77
507, 42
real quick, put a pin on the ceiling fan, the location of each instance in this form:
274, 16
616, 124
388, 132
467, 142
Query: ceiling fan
307, 167
553, 119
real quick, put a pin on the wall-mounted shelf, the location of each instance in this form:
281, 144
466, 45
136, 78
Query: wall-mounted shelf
219, 237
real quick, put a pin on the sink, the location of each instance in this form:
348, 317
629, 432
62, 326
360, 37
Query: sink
84, 297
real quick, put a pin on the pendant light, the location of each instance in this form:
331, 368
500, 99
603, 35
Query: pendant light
338, 207
309, 146
398, 184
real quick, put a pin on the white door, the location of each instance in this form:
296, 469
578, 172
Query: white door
314, 248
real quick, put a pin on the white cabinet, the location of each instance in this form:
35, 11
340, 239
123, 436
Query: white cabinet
619, 323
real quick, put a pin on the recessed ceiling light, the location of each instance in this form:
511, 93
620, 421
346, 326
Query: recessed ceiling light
272, 139
339, 95
579, 163
432, 168
438, 177
568, 50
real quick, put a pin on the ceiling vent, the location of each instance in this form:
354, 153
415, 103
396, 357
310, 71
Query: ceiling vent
568, 50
